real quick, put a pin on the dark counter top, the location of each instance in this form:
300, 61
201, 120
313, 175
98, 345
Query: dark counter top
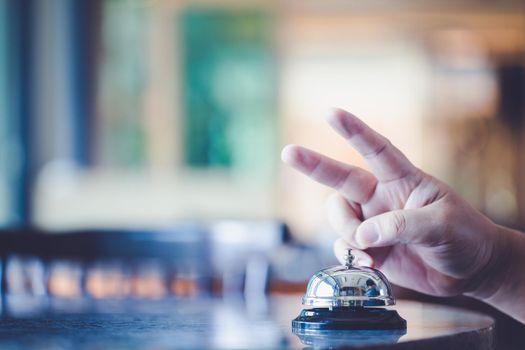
227, 324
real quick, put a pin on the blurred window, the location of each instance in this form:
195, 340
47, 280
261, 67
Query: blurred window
123, 77
228, 96
167, 110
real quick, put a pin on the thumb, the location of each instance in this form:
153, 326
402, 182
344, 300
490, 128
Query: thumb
413, 226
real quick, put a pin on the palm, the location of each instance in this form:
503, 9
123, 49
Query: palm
402, 262
389, 196
393, 184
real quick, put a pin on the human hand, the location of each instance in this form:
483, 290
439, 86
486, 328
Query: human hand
413, 227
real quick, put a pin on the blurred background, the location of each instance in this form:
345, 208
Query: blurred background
119, 113
124, 115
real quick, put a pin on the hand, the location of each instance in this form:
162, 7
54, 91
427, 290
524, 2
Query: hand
413, 227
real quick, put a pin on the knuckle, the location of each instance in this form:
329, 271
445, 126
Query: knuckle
445, 226
446, 215
399, 223
316, 168
334, 206
334, 221
331, 202
448, 211
345, 180
384, 145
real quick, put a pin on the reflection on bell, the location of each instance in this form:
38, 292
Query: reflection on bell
348, 297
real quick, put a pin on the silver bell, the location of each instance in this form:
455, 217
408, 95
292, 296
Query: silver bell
343, 298
348, 286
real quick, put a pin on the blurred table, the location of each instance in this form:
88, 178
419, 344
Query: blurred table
227, 324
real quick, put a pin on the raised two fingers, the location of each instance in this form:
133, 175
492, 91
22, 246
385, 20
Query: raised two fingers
386, 162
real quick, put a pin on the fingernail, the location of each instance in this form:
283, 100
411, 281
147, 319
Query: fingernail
364, 262
367, 234
290, 154
332, 115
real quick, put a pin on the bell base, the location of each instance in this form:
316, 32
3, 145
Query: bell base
348, 318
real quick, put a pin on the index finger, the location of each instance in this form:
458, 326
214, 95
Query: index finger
386, 162
354, 183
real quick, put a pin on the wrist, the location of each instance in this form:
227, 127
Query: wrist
502, 280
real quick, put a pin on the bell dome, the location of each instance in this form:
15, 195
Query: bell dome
348, 286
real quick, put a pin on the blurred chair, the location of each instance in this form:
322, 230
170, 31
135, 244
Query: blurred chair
43, 270
39, 266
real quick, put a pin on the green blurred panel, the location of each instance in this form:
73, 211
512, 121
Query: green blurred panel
124, 82
229, 89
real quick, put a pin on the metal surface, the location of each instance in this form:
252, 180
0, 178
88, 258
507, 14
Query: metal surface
348, 286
